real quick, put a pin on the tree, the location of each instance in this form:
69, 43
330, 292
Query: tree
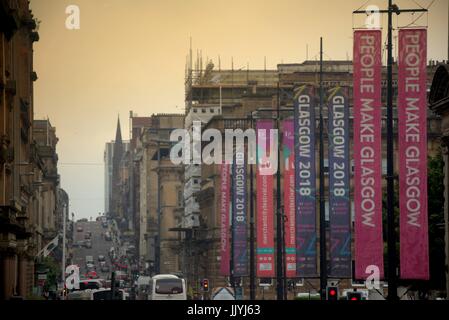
435, 196
53, 274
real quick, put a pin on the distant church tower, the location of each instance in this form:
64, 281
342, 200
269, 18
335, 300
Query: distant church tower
116, 159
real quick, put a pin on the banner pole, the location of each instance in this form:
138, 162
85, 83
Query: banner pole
392, 276
252, 271
279, 218
323, 257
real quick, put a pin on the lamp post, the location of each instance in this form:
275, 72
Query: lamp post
64, 229
279, 217
323, 251
252, 269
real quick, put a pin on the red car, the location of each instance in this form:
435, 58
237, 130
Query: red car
92, 275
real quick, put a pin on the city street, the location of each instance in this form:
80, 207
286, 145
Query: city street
99, 247
207, 150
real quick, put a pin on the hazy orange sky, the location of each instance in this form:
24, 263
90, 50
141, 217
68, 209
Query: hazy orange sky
130, 55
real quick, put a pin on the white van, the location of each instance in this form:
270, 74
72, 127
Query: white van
167, 287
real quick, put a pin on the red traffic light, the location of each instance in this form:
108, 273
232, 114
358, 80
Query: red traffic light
332, 293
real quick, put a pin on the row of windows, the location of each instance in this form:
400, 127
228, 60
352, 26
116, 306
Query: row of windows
203, 110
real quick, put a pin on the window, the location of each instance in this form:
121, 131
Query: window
169, 286
195, 110
212, 110
203, 110
164, 135
180, 197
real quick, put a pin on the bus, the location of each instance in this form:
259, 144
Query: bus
167, 287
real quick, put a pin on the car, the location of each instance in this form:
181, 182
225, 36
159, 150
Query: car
90, 284
92, 274
105, 268
90, 259
107, 236
79, 229
90, 267
121, 276
88, 244
87, 235
101, 258
78, 244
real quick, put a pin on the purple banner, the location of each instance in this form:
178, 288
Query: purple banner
239, 216
339, 192
305, 182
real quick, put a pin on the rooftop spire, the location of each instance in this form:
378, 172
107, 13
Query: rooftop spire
118, 133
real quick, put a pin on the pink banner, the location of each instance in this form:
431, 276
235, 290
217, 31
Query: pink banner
367, 152
225, 188
412, 115
265, 236
289, 198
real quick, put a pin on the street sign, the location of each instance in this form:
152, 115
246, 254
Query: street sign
42, 277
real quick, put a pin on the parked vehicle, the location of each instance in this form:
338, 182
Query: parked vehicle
101, 258
79, 229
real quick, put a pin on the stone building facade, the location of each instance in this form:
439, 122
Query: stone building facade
203, 246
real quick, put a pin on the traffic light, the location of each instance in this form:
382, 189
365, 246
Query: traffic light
354, 296
205, 284
332, 293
